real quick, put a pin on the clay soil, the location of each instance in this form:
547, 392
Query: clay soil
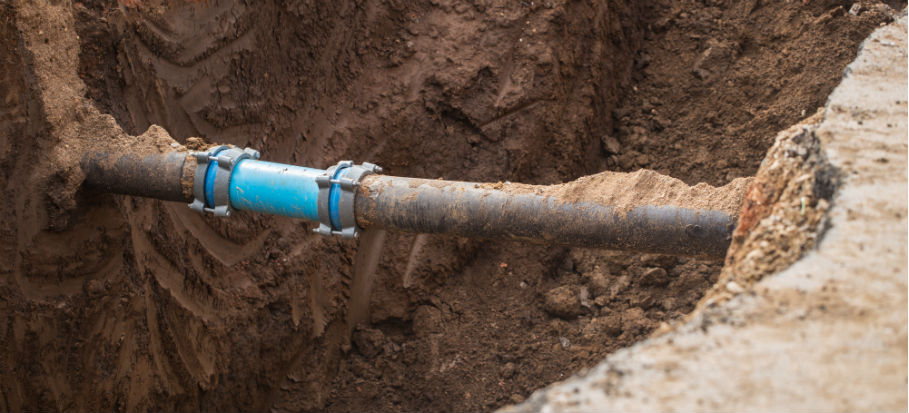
120, 303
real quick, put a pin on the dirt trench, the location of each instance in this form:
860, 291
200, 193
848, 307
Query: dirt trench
132, 304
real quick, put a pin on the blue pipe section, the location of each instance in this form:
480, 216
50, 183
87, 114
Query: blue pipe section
274, 188
278, 189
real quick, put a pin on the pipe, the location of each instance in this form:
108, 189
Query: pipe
165, 176
274, 188
346, 198
469, 209
231, 178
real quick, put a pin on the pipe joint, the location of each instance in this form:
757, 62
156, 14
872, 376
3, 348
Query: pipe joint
337, 193
211, 184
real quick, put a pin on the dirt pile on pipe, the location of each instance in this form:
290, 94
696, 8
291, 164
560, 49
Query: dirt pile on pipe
646, 187
124, 303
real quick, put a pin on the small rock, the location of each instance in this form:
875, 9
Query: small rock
654, 276
508, 370
734, 287
564, 342
855, 9
601, 301
611, 144
584, 297
517, 398
563, 302
93, 288
369, 342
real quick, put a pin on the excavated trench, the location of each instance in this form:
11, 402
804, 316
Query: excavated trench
117, 302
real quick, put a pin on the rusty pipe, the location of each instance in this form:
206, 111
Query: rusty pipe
480, 210
165, 176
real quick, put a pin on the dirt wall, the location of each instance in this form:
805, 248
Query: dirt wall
149, 306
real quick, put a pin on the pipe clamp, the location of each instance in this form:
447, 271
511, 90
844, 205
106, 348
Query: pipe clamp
337, 190
211, 184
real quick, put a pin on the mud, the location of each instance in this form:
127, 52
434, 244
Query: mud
114, 302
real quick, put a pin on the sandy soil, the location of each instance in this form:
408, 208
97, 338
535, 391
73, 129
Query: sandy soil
132, 304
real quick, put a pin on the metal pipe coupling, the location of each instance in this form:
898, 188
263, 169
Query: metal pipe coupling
337, 193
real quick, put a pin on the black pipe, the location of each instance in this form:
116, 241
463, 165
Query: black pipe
154, 175
475, 210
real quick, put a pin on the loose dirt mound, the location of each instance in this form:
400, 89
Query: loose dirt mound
116, 302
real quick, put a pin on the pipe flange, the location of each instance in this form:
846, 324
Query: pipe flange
211, 187
337, 190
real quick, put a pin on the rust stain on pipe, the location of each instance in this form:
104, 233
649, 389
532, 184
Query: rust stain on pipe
166, 176
526, 212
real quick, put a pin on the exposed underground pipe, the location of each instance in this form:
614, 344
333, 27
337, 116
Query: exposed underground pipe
476, 210
167, 176
345, 199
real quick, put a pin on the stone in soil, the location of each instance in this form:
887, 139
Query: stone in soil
563, 302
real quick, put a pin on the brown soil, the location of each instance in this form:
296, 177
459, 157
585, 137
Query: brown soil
716, 80
133, 304
646, 187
